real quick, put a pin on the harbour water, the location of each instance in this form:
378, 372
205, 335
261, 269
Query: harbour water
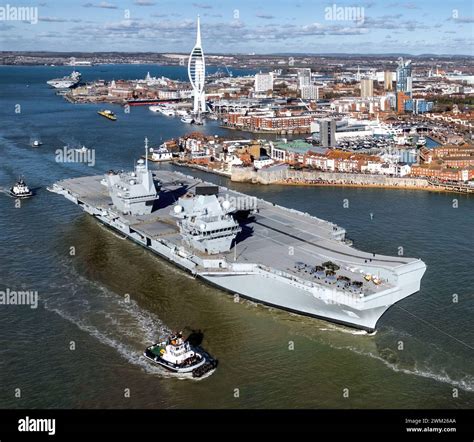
82, 346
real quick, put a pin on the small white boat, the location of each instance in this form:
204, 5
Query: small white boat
187, 119
178, 355
421, 141
36, 143
168, 112
20, 189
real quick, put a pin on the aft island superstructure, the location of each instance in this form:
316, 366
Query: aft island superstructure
247, 246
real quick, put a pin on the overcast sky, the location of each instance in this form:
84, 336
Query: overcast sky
244, 26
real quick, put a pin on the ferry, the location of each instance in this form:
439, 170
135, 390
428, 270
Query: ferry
177, 355
107, 114
20, 189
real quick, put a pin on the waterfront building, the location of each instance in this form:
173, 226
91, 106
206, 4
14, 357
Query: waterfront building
263, 82
366, 88
327, 132
441, 173
197, 73
290, 151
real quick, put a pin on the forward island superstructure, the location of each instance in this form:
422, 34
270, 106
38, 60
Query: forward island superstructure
247, 246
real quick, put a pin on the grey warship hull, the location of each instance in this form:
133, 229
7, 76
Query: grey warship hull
273, 255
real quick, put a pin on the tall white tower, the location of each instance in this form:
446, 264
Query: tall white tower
197, 73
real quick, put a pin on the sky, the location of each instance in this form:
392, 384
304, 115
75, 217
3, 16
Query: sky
244, 26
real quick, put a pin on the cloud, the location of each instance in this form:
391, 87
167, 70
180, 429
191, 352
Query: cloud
390, 21
403, 5
466, 19
265, 16
103, 5
144, 3
202, 5
4, 26
53, 19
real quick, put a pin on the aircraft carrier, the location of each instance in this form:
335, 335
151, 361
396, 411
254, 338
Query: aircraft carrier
247, 246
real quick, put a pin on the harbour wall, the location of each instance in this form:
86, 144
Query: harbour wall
290, 176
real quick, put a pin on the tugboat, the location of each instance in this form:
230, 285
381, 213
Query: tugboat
179, 356
107, 114
20, 189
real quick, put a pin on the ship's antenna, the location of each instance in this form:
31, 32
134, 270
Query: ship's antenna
146, 153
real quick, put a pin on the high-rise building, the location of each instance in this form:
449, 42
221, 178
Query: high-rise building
404, 83
388, 80
366, 88
304, 77
404, 78
197, 73
263, 82
310, 92
327, 132
401, 99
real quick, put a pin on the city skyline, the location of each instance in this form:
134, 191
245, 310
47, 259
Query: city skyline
369, 27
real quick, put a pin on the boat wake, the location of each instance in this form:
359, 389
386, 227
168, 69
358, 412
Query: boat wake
347, 330
466, 383
118, 323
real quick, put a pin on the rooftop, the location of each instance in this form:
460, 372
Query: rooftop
297, 146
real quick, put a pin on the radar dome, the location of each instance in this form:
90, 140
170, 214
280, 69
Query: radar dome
178, 209
226, 204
